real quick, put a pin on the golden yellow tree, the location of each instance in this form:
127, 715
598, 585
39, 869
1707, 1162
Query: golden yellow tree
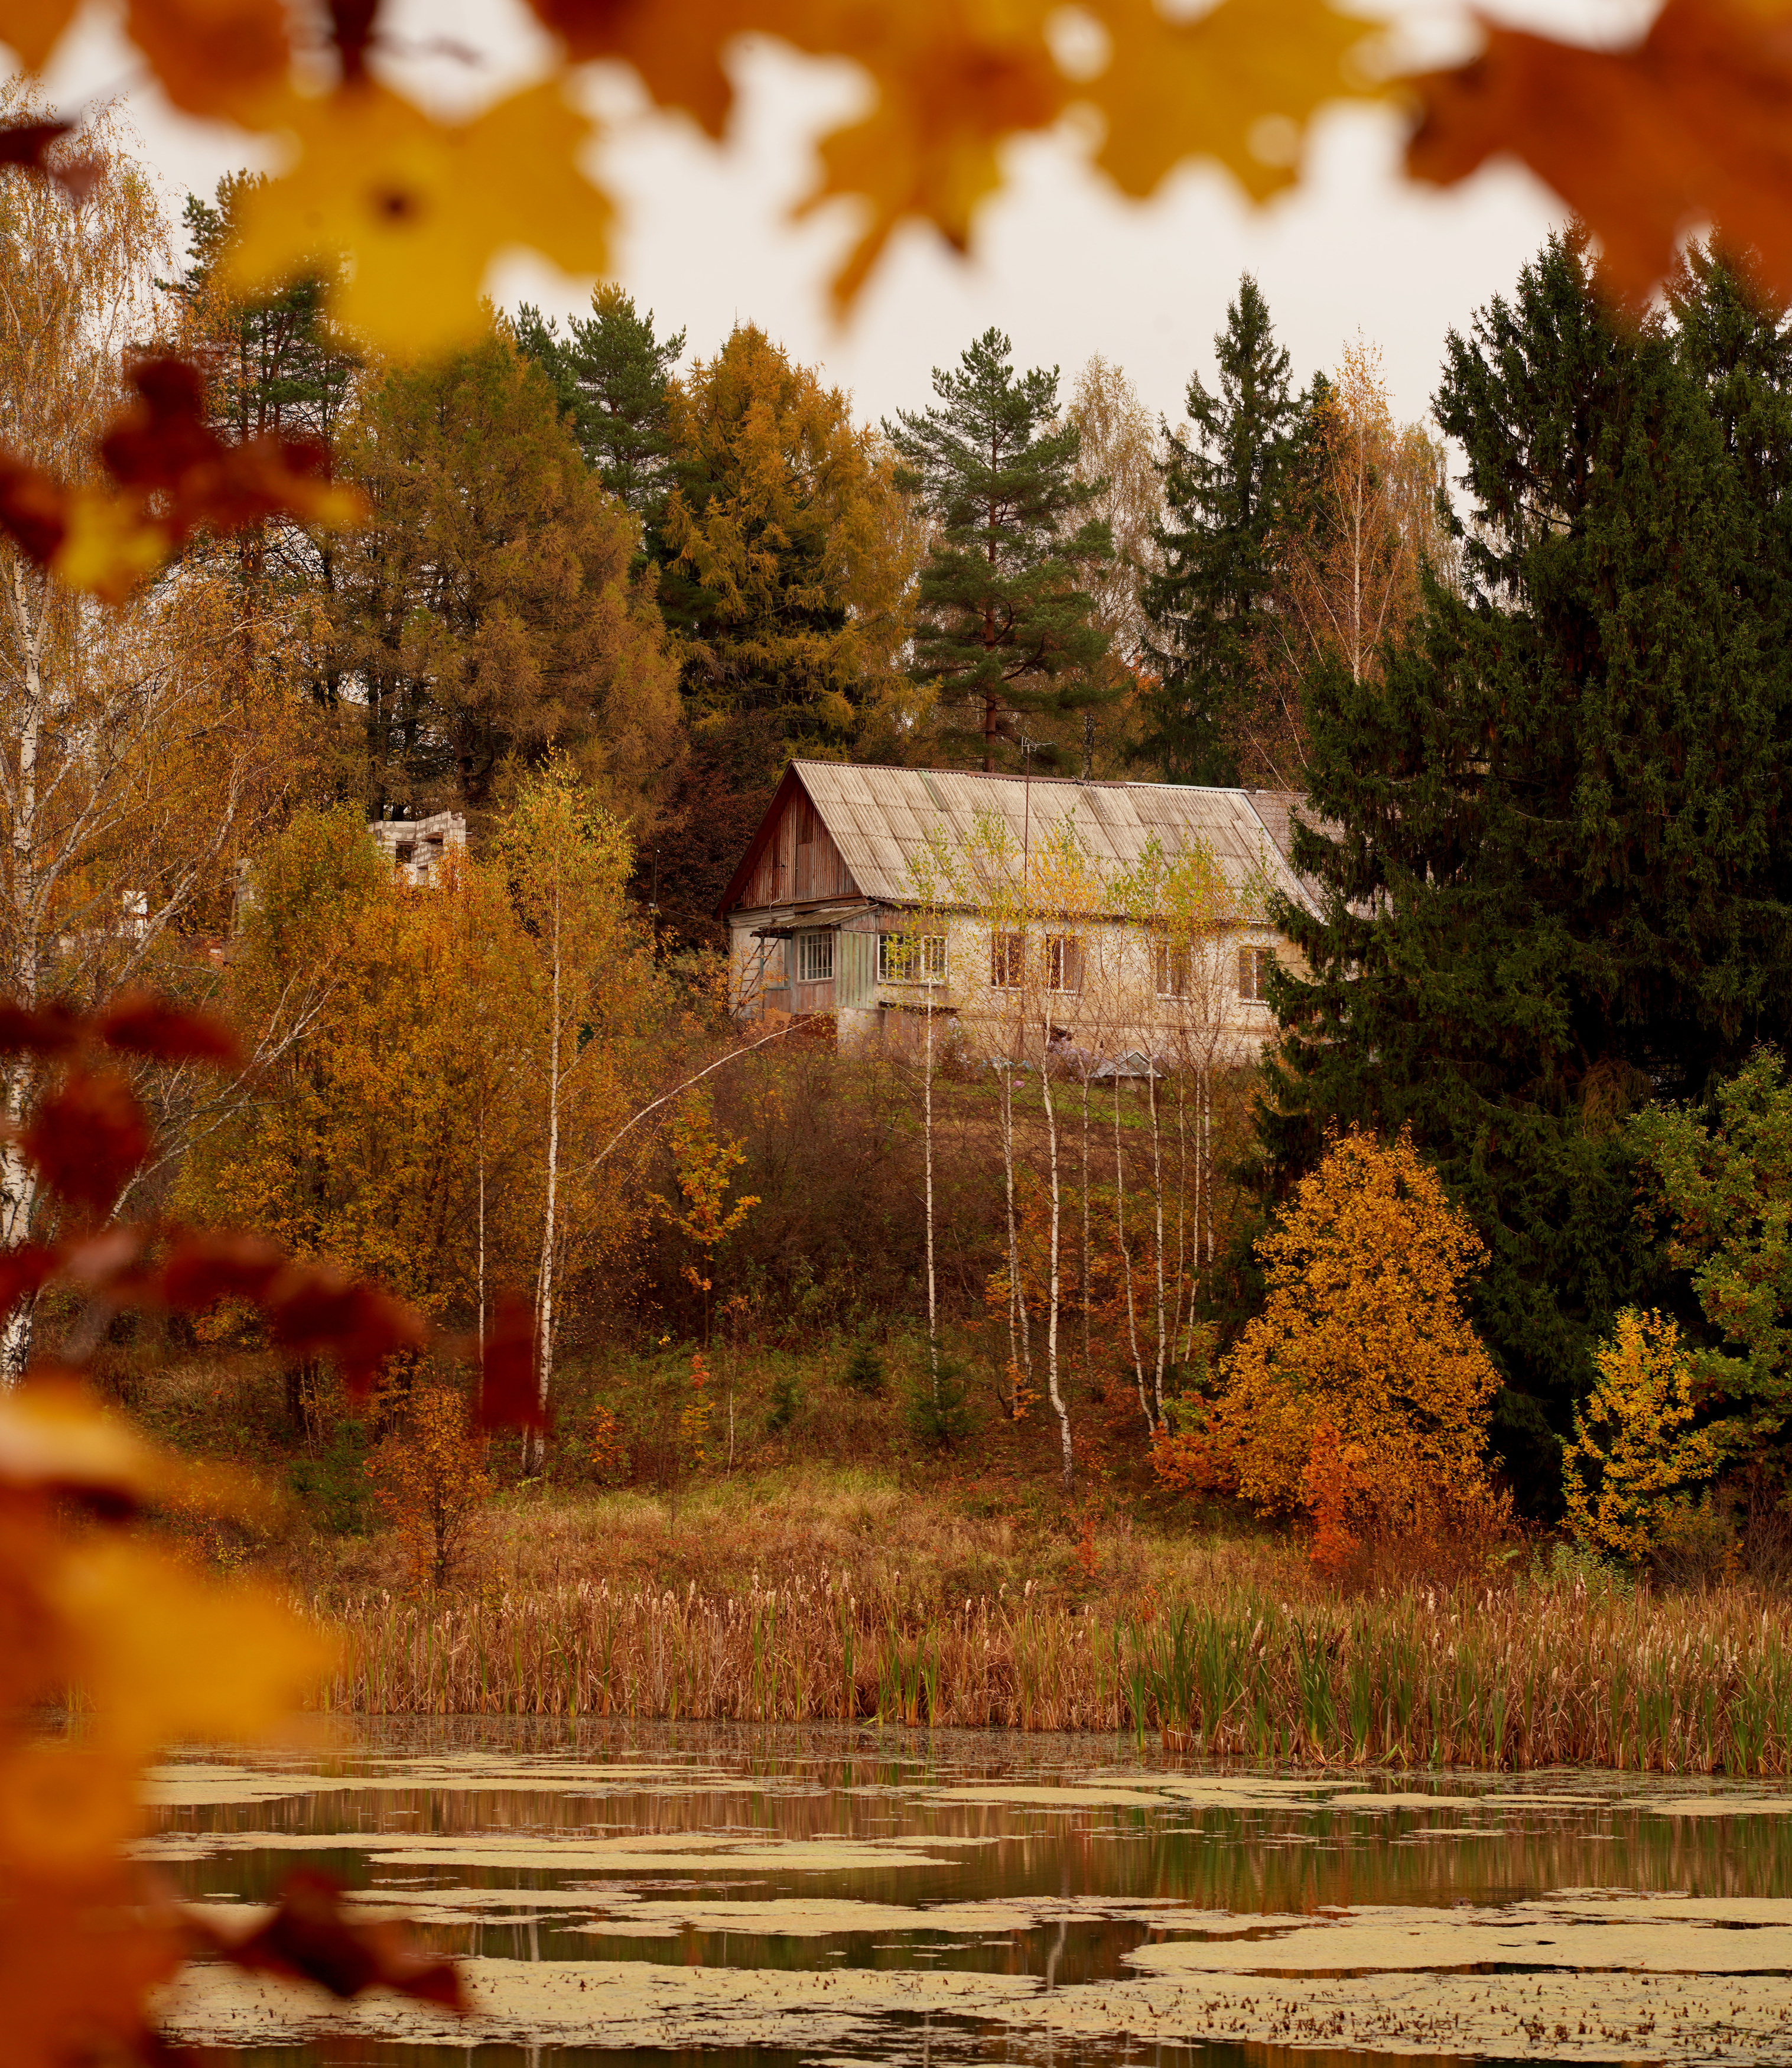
703, 1164
429, 1477
1627, 1477
1363, 1346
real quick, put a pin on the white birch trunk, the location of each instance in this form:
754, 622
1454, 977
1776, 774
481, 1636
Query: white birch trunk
1058, 1407
1157, 1186
1125, 1262
544, 1292
927, 1137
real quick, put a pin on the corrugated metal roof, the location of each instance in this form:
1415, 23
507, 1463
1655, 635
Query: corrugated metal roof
882, 819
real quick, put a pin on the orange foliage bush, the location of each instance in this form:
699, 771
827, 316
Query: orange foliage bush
1360, 1394
430, 1479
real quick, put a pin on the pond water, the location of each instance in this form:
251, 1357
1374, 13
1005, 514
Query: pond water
720, 1897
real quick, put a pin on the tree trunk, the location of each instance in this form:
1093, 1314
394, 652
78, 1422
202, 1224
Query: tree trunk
1126, 1262
1157, 1186
536, 1447
927, 1137
1058, 1406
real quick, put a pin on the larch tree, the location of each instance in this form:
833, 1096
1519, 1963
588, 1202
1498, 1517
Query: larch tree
1205, 604
1007, 626
490, 611
786, 562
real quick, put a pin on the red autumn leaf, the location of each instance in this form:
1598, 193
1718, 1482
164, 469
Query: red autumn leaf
139, 1024
24, 1270
158, 441
509, 1396
52, 1030
25, 143
352, 30
162, 443
310, 1937
88, 1138
33, 509
1693, 124
314, 1308
202, 1269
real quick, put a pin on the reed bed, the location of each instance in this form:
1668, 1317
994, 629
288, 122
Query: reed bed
1526, 1677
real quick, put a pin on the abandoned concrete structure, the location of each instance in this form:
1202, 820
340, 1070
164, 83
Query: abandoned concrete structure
837, 908
418, 847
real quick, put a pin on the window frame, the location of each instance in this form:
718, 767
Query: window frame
1007, 953
1259, 959
815, 943
1064, 958
927, 950
1171, 957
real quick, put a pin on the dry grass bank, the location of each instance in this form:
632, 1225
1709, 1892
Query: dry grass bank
833, 1597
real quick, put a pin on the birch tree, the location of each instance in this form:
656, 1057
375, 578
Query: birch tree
594, 991
131, 752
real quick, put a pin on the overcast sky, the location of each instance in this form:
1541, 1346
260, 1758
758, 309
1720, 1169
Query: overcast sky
1059, 261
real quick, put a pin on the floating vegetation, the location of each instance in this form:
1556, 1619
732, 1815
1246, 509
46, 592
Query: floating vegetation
1492, 1678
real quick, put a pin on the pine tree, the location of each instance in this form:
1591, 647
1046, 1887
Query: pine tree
1561, 879
1204, 607
1007, 620
614, 379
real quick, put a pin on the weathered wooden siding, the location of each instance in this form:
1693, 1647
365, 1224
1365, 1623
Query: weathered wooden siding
798, 864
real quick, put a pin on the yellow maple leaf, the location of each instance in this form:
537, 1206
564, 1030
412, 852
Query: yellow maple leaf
677, 51
163, 1654
1216, 85
413, 211
952, 82
110, 545
33, 27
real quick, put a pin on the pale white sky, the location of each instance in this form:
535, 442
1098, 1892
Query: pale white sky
1060, 262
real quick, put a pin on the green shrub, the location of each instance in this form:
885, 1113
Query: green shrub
333, 1484
865, 1372
940, 1416
787, 1401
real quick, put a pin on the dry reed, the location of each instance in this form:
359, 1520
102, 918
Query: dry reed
1528, 1677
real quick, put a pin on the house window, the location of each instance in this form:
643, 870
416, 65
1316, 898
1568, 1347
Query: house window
911, 958
1254, 965
815, 957
1008, 954
1064, 962
1175, 969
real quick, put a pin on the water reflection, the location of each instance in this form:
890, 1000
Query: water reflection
719, 1896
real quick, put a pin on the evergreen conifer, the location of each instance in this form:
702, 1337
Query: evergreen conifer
614, 379
865, 1371
1006, 624
1557, 875
1219, 486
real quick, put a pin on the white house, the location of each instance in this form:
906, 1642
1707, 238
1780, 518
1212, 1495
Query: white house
838, 907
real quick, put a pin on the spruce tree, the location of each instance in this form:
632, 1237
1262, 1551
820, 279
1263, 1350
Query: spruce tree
614, 379
1219, 486
1558, 879
1006, 625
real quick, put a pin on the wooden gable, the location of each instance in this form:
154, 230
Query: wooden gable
792, 860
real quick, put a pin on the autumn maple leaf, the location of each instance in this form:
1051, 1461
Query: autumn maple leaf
1693, 124
1210, 86
416, 210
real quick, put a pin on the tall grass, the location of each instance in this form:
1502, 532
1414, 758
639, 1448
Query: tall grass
1528, 1677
